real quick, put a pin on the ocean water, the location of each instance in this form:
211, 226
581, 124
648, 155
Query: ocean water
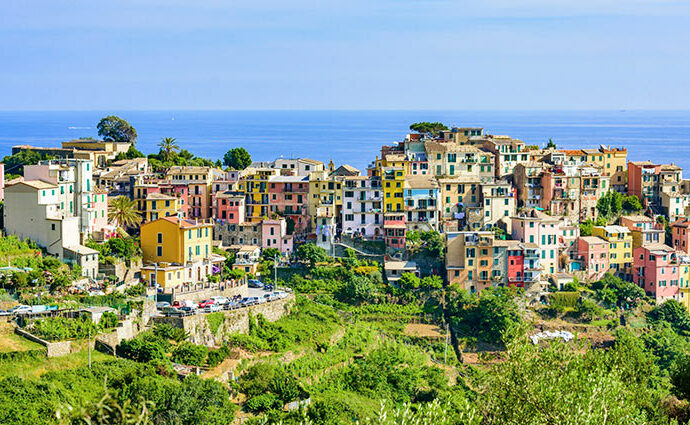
355, 137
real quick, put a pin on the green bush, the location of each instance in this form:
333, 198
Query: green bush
262, 403
190, 354
564, 300
144, 347
170, 332
216, 357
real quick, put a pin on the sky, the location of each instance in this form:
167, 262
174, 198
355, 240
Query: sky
352, 54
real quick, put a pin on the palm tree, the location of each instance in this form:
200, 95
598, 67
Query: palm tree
122, 211
168, 145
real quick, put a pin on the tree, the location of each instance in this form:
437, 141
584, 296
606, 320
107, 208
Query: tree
680, 377
168, 146
122, 211
427, 127
312, 254
14, 164
673, 312
237, 158
357, 289
190, 354
115, 129
131, 153
269, 254
551, 144
632, 203
409, 281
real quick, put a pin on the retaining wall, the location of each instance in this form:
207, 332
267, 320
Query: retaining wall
53, 349
235, 321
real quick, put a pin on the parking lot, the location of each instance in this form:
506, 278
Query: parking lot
251, 292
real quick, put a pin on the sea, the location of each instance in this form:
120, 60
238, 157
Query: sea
355, 137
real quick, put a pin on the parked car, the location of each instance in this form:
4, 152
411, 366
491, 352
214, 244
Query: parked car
231, 305
185, 303
280, 294
174, 312
255, 283
270, 297
5, 313
189, 309
205, 303
261, 300
162, 304
247, 301
269, 287
27, 309
220, 300
211, 308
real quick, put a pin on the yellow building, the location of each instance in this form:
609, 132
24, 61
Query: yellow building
254, 184
186, 243
172, 240
391, 169
159, 205
325, 196
684, 283
620, 247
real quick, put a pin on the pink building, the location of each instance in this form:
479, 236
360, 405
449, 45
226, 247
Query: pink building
515, 262
594, 252
274, 235
229, 207
680, 233
535, 227
289, 197
395, 230
656, 269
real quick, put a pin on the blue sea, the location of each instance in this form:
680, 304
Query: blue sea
355, 137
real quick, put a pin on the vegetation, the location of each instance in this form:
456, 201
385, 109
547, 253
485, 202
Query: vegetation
428, 127
168, 146
312, 254
551, 144
115, 129
62, 328
237, 159
614, 203
123, 211
121, 248
14, 164
131, 153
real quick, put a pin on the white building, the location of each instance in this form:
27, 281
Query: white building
297, 166
422, 202
33, 211
362, 212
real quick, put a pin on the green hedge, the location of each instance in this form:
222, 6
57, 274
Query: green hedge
23, 355
564, 299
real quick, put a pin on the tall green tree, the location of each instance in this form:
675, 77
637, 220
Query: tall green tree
551, 144
237, 158
168, 146
122, 211
114, 129
427, 127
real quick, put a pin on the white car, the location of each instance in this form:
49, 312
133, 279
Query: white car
260, 300
279, 295
211, 308
220, 300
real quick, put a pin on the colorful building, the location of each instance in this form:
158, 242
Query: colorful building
535, 227
680, 233
593, 251
469, 260
620, 248
289, 198
178, 242
159, 205
657, 269
645, 230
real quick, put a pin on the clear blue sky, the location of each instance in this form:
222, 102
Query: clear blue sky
344, 54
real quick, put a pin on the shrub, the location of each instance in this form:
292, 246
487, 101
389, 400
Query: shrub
145, 347
216, 357
190, 354
262, 403
563, 300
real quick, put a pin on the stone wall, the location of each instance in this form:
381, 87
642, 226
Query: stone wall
127, 329
204, 294
53, 349
235, 321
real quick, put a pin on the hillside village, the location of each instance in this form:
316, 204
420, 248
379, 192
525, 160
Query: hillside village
451, 243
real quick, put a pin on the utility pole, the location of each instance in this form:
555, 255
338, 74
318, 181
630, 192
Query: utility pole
89, 347
275, 272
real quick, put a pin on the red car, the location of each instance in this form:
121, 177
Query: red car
204, 303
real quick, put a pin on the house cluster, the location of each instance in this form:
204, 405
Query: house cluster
510, 212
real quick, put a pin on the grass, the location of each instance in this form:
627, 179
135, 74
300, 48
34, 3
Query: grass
13, 342
34, 368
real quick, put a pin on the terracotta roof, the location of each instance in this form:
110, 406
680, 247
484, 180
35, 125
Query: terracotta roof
184, 223
593, 240
159, 196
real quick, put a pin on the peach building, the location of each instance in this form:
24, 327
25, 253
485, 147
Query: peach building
594, 252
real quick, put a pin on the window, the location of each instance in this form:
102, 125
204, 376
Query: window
159, 251
160, 238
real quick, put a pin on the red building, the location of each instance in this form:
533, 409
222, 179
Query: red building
656, 269
228, 207
395, 230
515, 261
680, 232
